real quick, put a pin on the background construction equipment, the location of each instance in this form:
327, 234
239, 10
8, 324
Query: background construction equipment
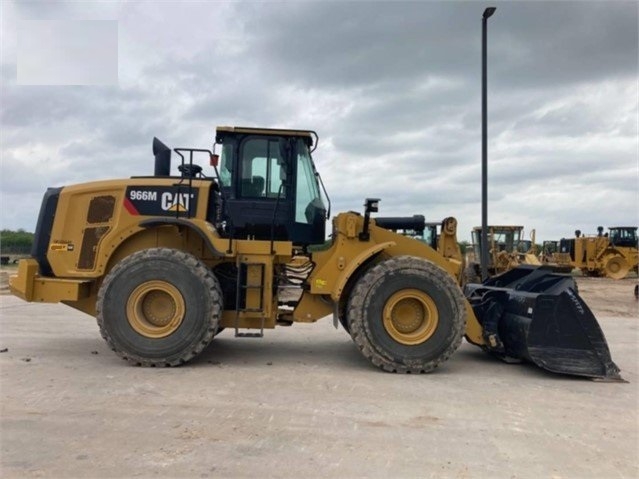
613, 254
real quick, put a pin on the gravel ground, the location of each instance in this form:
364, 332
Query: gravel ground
303, 402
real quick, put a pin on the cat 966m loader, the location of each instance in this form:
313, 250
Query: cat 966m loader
166, 262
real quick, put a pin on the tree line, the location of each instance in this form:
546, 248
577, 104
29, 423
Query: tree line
15, 242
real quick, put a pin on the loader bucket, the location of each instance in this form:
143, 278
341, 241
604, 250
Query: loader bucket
535, 314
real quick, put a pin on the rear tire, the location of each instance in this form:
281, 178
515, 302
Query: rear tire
159, 307
407, 315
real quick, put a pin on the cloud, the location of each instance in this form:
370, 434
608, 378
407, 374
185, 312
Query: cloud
392, 88
68, 53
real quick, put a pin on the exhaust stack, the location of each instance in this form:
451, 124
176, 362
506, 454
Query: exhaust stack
162, 155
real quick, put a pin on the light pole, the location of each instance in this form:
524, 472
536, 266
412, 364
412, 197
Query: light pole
484, 148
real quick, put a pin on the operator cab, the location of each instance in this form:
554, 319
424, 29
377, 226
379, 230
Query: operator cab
269, 184
500, 238
623, 236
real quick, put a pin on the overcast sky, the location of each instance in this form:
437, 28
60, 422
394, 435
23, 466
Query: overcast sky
392, 88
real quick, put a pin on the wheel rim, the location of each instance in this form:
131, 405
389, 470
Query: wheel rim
155, 309
410, 316
617, 268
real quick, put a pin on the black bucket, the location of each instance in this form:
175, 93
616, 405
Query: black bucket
535, 314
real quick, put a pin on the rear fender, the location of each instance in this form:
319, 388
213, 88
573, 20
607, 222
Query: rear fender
164, 232
204, 230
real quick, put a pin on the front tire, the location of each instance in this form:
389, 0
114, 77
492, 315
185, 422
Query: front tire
407, 315
159, 307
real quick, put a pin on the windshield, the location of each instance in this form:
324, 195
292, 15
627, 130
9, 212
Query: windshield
524, 246
307, 195
226, 164
505, 240
623, 236
624, 233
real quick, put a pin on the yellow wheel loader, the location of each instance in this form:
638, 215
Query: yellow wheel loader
613, 254
166, 262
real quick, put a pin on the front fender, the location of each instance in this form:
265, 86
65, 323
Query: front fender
354, 264
334, 267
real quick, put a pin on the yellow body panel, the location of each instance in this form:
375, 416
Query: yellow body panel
82, 247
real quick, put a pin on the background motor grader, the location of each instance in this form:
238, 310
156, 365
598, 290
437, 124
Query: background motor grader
507, 249
166, 262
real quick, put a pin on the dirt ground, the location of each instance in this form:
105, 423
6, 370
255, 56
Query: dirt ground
609, 297
303, 402
4, 280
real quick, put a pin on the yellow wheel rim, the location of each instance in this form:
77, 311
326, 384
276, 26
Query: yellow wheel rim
617, 268
410, 317
155, 309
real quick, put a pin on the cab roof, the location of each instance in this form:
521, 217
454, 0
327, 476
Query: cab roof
500, 227
243, 130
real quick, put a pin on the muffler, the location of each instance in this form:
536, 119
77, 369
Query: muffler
534, 314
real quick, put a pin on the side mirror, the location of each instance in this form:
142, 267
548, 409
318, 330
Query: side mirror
215, 159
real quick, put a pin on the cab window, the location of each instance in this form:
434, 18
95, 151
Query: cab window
262, 169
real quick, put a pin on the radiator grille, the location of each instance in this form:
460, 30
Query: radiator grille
101, 209
89, 246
